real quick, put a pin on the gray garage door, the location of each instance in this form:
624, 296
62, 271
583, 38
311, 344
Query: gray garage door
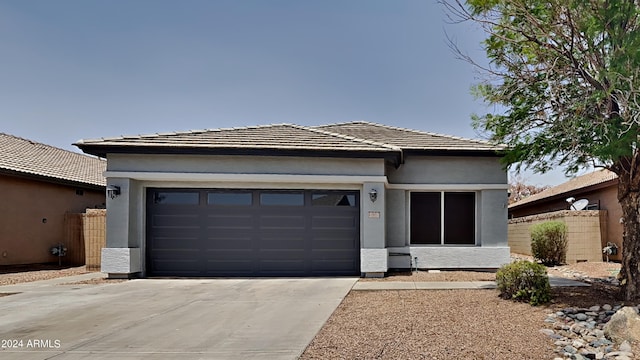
210, 232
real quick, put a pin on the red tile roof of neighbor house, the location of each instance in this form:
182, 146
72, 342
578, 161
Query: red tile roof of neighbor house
580, 182
355, 136
22, 156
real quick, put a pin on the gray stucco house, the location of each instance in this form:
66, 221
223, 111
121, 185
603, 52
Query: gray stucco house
353, 198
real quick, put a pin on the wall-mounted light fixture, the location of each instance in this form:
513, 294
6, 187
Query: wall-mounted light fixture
113, 191
373, 195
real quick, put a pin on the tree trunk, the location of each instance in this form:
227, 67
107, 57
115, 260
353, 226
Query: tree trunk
629, 198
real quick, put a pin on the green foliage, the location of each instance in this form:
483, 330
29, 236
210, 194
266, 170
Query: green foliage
564, 76
564, 80
524, 281
549, 242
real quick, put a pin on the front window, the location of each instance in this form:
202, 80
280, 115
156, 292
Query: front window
443, 218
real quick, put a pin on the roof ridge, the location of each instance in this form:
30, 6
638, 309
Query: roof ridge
177, 133
429, 133
410, 130
348, 137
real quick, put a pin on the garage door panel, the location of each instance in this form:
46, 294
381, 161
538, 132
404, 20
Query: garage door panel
232, 264
282, 267
229, 243
282, 243
269, 233
182, 221
173, 243
335, 266
281, 254
329, 243
175, 267
176, 232
332, 254
177, 254
334, 222
235, 222
282, 222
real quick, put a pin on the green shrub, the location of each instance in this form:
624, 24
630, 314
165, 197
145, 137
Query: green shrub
549, 242
524, 281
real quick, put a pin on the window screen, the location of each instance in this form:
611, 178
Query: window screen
429, 214
425, 218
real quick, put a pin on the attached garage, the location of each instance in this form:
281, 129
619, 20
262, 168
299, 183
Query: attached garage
353, 198
222, 232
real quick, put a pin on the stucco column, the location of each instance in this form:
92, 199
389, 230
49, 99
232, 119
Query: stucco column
119, 258
373, 254
493, 217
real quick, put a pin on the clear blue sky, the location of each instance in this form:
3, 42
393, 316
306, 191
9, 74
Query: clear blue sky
77, 69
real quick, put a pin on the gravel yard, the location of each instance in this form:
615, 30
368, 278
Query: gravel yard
431, 324
16, 274
453, 324
427, 324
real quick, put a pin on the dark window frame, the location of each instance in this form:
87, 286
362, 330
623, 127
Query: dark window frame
445, 228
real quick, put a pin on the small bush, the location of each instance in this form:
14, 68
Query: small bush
524, 281
549, 242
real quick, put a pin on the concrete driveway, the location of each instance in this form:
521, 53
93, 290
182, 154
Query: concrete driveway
167, 319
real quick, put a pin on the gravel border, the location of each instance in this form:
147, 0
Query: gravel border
18, 274
455, 324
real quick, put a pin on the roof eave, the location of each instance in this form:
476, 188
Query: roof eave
103, 150
456, 152
53, 180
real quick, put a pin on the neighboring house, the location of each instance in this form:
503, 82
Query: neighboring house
286, 200
40, 184
600, 188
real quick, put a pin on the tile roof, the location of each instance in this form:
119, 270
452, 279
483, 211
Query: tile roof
353, 136
281, 136
580, 182
407, 139
33, 158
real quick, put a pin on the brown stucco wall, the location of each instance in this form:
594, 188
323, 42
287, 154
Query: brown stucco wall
606, 196
32, 215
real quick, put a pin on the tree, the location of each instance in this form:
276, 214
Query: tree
565, 75
519, 189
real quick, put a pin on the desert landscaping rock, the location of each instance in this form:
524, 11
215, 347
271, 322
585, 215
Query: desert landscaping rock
581, 334
624, 325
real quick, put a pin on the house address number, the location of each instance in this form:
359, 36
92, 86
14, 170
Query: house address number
374, 214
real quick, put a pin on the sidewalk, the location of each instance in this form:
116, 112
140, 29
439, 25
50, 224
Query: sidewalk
43, 285
449, 285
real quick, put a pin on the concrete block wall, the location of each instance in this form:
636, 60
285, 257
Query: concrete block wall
584, 233
95, 229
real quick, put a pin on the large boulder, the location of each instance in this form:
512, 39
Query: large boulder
624, 326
